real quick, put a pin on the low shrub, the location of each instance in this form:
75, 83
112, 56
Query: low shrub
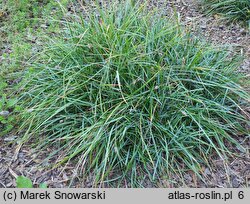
130, 94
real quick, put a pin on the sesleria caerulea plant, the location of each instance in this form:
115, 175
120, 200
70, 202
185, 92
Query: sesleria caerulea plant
127, 93
232, 10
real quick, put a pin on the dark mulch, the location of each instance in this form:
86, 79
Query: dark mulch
235, 172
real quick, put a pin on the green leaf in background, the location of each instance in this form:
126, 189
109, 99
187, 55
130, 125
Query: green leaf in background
9, 128
23, 182
11, 102
18, 108
2, 86
2, 119
43, 185
1, 103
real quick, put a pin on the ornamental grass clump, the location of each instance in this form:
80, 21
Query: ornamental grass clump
128, 93
232, 10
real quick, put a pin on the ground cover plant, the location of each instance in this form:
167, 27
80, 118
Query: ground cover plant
24, 182
22, 23
129, 93
230, 9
